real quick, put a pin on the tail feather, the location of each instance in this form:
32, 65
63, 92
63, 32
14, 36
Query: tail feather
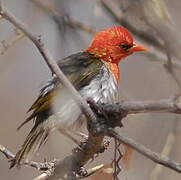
32, 143
26, 121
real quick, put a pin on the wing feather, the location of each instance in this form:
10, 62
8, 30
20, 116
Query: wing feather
79, 68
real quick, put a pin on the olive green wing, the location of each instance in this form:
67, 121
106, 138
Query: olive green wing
79, 68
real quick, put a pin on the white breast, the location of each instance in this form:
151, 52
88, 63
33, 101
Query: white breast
103, 88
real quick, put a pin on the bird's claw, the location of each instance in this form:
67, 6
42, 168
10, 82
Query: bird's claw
105, 146
82, 172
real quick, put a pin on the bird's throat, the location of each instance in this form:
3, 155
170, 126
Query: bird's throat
106, 58
114, 68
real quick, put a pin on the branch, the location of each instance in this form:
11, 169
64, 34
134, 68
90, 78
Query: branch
156, 56
40, 166
119, 16
109, 116
156, 157
61, 168
153, 54
108, 120
58, 17
172, 105
158, 53
169, 144
49, 60
7, 44
94, 143
77, 159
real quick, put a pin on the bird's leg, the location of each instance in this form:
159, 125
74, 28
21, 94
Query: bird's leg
82, 172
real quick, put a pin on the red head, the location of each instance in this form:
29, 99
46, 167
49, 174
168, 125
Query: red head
113, 44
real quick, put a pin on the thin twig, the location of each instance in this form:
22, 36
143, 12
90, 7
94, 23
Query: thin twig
48, 167
165, 152
156, 157
156, 56
40, 166
159, 48
7, 45
119, 16
6, 152
58, 17
80, 158
171, 137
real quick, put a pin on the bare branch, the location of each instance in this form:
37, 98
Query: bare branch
156, 56
7, 44
49, 60
132, 107
40, 166
58, 17
79, 158
156, 157
118, 15
165, 152
158, 53
48, 167
115, 113
153, 54
94, 143
6, 152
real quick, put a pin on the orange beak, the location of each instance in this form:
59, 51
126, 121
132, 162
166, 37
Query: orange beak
137, 48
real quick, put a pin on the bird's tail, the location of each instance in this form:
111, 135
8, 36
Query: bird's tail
34, 140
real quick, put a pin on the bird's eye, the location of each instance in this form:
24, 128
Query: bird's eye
125, 46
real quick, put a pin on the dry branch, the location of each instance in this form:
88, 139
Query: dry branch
40, 166
48, 59
156, 157
154, 54
119, 16
159, 51
98, 126
94, 143
101, 128
165, 152
172, 105
7, 44
61, 18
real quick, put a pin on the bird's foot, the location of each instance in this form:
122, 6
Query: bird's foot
82, 172
105, 146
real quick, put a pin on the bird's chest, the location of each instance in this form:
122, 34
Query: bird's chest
103, 88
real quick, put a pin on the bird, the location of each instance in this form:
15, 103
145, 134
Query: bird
95, 74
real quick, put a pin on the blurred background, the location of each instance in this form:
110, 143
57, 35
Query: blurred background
66, 27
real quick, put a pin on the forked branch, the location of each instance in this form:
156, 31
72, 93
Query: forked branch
96, 135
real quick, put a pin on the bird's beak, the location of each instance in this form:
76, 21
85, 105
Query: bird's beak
137, 48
